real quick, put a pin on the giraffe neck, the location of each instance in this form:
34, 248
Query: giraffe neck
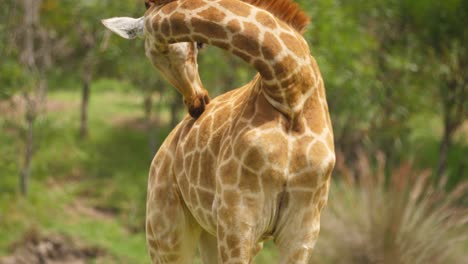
278, 52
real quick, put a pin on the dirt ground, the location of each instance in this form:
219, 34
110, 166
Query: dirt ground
35, 248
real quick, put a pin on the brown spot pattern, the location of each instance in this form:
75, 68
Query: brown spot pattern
266, 20
300, 160
246, 43
212, 14
316, 154
264, 69
192, 5
305, 179
292, 44
201, 38
179, 27
208, 29
231, 198
221, 44
274, 47
235, 253
165, 27
284, 67
169, 8
235, 8
206, 198
255, 159
227, 171
232, 241
249, 181
242, 55
313, 113
234, 26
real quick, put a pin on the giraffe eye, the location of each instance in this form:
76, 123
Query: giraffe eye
200, 45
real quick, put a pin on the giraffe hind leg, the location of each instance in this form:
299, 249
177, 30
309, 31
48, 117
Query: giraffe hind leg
296, 237
299, 225
172, 232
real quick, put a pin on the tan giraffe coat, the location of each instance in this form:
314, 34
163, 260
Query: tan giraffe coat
257, 162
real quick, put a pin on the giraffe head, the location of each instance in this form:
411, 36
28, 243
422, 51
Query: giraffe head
177, 62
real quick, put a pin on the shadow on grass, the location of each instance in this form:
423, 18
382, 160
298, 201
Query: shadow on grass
117, 170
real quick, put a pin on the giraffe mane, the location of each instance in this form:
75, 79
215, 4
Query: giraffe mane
285, 10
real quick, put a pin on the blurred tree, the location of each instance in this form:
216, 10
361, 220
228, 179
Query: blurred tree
393, 92
31, 43
428, 38
453, 91
12, 74
142, 74
388, 64
85, 40
383, 63
440, 28
30, 53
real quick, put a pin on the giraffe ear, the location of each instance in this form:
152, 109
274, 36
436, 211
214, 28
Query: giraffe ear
125, 27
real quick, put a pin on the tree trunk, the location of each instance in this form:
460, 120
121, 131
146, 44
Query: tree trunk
29, 146
31, 20
84, 131
444, 151
453, 114
28, 56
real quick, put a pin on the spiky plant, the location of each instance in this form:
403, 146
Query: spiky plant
402, 219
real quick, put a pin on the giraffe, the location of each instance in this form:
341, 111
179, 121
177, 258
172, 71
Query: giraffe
256, 163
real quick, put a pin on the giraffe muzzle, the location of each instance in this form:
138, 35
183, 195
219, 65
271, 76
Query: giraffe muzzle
197, 106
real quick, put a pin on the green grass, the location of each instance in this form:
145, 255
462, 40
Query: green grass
49, 208
107, 171
105, 174
94, 190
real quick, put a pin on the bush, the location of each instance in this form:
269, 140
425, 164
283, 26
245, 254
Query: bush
401, 219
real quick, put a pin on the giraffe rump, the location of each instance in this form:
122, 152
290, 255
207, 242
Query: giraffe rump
257, 161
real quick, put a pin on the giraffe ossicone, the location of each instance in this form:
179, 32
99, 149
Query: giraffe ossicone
257, 161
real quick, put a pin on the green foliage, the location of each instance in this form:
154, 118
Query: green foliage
11, 73
341, 48
108, 173
386, 63
12, 76
402, 219
221, 72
